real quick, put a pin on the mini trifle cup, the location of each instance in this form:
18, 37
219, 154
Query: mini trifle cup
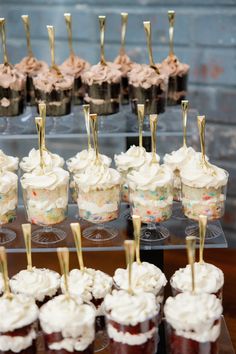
41, 284
208, 279
126, 65
8, 163
102, 85
193, 323
68, 325
178, 79
32, 161
148, 87
18, 322
132, 322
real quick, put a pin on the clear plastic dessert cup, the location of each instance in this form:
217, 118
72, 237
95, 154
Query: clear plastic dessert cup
177, 89
12, 102
177, 186
58, 102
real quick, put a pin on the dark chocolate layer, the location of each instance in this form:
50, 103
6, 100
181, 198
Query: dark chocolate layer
58, 102
11, 102
177, 89
153, 98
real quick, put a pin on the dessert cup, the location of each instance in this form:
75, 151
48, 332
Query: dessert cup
17, 333
148, 88
8, 204
8, 163
32, 161
40, 284
68, 326
125, 66
208, 279
102, 85
193, 323
178, 80
45, 195
132, 322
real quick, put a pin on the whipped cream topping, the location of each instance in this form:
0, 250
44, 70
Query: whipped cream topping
17, 312
146, 277
97, 177
31, 66
16, 344
50, 79
143, 75
32, 161
174, 66
50, 180
75, 322
9, 163
11, 78
133, 158
84, 159
74, 66
195, 174
150, 176
98, 74
208, 278
37, 283
176, 159
88, 284
127, 309
193, 316
8, 181
125, 63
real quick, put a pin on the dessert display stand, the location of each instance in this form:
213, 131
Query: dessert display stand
67, 144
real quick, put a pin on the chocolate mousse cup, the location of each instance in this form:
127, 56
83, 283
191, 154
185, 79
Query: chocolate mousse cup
177, 89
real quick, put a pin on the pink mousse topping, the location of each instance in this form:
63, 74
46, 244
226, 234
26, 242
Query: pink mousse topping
145, 76
31, 66
74, 66
174, 66
99, 74
11, 78
53, 79
125, 62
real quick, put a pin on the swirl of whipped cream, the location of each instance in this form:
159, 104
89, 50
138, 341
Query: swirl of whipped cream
146, 277
98, 74
75, 322
49, 80
74, 66
32, 161
8, 180
97, 177
143, 75
11, 78
125, 62
149, 177
37, 283
208, 278
9, 163
84, 159
193, 316
17, 312
127, 309
178, 158
174, 66
31, 66
50, 180
195, 174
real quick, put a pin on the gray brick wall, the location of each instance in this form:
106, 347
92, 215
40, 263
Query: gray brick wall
205, 37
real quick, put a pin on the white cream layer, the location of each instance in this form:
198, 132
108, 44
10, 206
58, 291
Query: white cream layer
8, 163
8, 181
18, 343
94, 208
128, 338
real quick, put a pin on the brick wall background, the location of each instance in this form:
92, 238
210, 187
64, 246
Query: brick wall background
205, 37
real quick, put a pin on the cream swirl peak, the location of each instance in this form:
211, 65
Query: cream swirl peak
176, 159
174, 67
37, 283
143, 75
11, 78
195, 174
194, 316
50, 79
125, 62
8, 181
97, 177
31, 66
127, 309
149, 177
74, 66
50, 180
84, 159
32, 161
98, 74
208, 278
17, 312
8, 163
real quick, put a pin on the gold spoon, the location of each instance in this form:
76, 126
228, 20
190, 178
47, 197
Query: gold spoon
184, 105
42, 113
201, 127
124, 20
94, 126
4, 271
153, 126
140, 123
102, 24
39, 126
76, 230
68, 20
129, 252
86, 109
191, 248
148, 30
51, 35
63, 256
202, 234
26, 23
171, 17
137, 231
4, 46
26, 228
